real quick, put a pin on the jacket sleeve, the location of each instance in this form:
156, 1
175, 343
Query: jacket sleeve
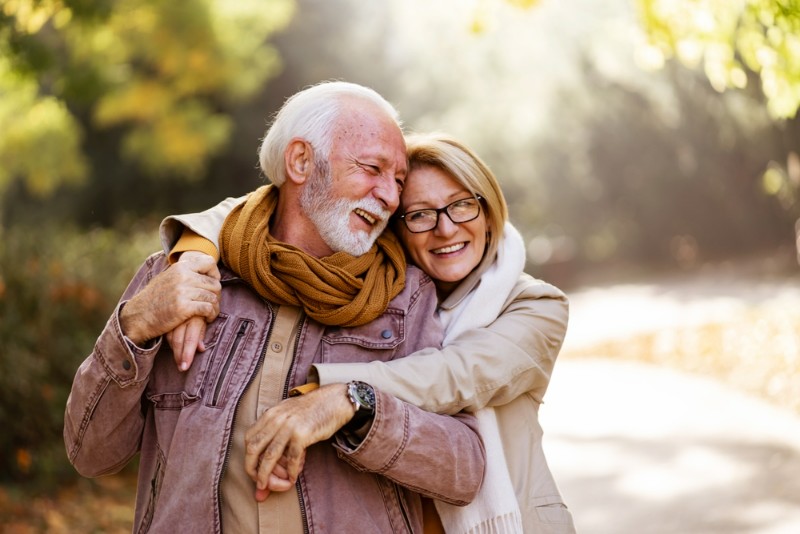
206, 224
439, 456
103, 421
482, 367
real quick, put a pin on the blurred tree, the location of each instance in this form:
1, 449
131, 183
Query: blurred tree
728, 38
31, 121
130, 98
57, 285
737, 43
157, 77
667, 179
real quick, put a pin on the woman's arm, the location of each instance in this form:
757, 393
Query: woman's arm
193, 232
482, 367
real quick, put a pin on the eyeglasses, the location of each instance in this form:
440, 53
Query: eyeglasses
459, 211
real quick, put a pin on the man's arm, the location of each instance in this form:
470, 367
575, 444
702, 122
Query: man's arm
436, 455
103, 419
439, 456
188, 289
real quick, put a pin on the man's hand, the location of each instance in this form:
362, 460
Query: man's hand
187, 338
186, 289
282, 434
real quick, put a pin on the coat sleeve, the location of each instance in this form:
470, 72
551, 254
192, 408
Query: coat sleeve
206, 224
440, 456
482, 367
103, 421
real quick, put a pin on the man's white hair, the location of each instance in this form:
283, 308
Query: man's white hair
312, 114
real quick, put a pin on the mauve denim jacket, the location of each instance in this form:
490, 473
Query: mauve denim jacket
126, 399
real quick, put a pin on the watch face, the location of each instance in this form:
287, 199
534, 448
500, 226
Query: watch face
363, 394
366, 394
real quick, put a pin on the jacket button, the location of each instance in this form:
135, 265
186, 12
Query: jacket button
126, 364
386, 334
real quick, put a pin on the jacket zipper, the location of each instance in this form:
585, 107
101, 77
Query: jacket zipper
236, 408
402, 508
294, 358
224, 372
303, 513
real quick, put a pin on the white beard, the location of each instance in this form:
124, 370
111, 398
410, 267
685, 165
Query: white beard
331, 215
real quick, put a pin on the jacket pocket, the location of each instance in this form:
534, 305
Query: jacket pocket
227, 357
403, 507
376, 340
155, 489
394, 497
171, 389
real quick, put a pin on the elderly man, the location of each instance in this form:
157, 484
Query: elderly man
308, 277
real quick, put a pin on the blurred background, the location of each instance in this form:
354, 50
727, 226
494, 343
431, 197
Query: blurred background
648, 150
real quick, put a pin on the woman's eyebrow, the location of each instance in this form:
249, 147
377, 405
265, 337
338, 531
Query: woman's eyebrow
450, 198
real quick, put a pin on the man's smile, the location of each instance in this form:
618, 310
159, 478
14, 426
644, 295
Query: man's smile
371, 219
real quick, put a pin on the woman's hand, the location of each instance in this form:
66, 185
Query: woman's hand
187, 338
278, 480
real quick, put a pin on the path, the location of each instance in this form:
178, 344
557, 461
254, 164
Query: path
640, 449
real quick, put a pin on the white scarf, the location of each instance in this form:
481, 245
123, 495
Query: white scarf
495, 510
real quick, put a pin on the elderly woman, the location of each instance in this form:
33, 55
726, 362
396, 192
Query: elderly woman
504, 330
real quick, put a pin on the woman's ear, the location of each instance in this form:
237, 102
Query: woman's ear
299, 160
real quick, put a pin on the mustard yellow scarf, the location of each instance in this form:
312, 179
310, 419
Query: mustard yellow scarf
340, 289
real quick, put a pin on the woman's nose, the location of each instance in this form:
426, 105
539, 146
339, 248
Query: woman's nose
445, 226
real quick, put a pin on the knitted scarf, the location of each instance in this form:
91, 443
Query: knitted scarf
340, 289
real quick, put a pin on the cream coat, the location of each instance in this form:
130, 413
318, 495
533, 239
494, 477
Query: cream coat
508, 366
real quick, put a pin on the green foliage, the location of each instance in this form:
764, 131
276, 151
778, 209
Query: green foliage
161, 74
57, 288
39, 139
730, 38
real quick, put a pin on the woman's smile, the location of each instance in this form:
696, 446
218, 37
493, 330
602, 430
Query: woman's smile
450, 248
449, 251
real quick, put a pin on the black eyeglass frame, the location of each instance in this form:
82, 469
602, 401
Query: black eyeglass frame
439, 212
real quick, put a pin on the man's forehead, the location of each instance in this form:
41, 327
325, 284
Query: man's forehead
388, 153
377, 144
366, 116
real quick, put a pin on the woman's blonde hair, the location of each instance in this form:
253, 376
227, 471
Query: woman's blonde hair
459, 161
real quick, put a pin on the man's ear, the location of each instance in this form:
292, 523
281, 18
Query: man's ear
299, 160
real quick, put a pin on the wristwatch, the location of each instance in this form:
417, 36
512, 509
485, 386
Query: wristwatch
362, 396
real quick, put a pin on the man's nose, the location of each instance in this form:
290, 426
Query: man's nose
387, 192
